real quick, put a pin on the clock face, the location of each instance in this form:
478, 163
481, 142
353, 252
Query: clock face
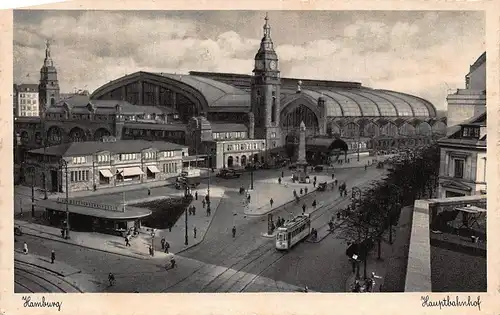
272, 65
259, 64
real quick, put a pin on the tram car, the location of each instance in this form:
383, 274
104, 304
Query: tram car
293, 232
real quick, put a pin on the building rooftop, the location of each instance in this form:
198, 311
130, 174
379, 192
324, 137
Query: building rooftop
130, 212
228, 92
27, 87
445, 259
117, 147
227, 127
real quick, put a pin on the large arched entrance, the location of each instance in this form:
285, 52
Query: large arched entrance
290, 120
101, 133
230, 161
54, 135
243, 160
77, 135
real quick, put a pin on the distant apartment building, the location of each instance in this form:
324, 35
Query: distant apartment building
470, 102
26, 103
462, 170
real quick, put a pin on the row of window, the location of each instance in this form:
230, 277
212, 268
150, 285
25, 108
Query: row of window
103, 158
28, 101
229, 135
80, 176
470, 132
31, 114
170, 168
243, 146
28, 95
155, 133
129, 156
29, 107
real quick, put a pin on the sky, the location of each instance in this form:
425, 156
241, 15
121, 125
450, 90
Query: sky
424, 53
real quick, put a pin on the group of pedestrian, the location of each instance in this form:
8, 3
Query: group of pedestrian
343, 190
52, 253
368, 284
165, 246
280, 222
192, 210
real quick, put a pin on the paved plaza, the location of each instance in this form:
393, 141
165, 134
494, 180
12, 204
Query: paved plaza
214, 261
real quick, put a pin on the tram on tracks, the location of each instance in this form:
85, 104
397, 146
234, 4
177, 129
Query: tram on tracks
293, 232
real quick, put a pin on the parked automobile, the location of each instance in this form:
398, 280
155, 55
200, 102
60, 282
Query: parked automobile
228, 173
318, 168
182, 181
322, 186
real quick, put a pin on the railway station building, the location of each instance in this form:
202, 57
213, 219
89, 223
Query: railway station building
234, 118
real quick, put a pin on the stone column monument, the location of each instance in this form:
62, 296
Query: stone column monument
301, 160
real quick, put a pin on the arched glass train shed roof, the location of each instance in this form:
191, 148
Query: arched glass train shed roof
339, 102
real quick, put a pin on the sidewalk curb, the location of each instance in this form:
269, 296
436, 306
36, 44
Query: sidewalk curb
280, 206
208, 228
83, 246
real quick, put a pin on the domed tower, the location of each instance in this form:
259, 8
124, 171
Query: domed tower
48, 89
266, 91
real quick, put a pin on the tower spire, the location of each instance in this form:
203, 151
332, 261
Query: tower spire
48, 59
267, 28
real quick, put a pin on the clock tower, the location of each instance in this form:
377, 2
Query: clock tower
266, 92
48, 89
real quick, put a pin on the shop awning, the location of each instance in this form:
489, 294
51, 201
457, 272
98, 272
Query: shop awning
153, 169
106, 173
130, 171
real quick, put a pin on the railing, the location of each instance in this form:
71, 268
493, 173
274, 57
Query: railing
88, 204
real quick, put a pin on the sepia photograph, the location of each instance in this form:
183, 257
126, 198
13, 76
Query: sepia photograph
249, 151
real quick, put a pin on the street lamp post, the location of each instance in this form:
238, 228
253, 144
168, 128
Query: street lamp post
186, 193
63, 161
208, 190
251, 177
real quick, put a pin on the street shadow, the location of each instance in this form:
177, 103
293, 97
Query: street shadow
44, 259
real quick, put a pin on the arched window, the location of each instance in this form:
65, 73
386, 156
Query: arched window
52, 101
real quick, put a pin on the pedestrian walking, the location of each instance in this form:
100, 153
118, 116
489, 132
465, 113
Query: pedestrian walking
314, 204
282, 174
279, 180
25, 248
194, 210
248, 198
366, 166
315, 178
306, 190
162, 243
167, 246
203, 203
336, 182
111, 279
151, 250
149, 192
52, 257
303, 208
196, 195
194, 232
314, 184
271, 202
234, 231
301, 191
294, 193
208, 211
127, 240
333, 176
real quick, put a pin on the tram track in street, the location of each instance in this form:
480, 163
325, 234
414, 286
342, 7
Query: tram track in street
19, 273
235, 250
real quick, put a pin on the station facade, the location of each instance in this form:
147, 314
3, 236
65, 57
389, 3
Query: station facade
214, 113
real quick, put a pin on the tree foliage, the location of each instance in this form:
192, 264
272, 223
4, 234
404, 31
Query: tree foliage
412, 176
